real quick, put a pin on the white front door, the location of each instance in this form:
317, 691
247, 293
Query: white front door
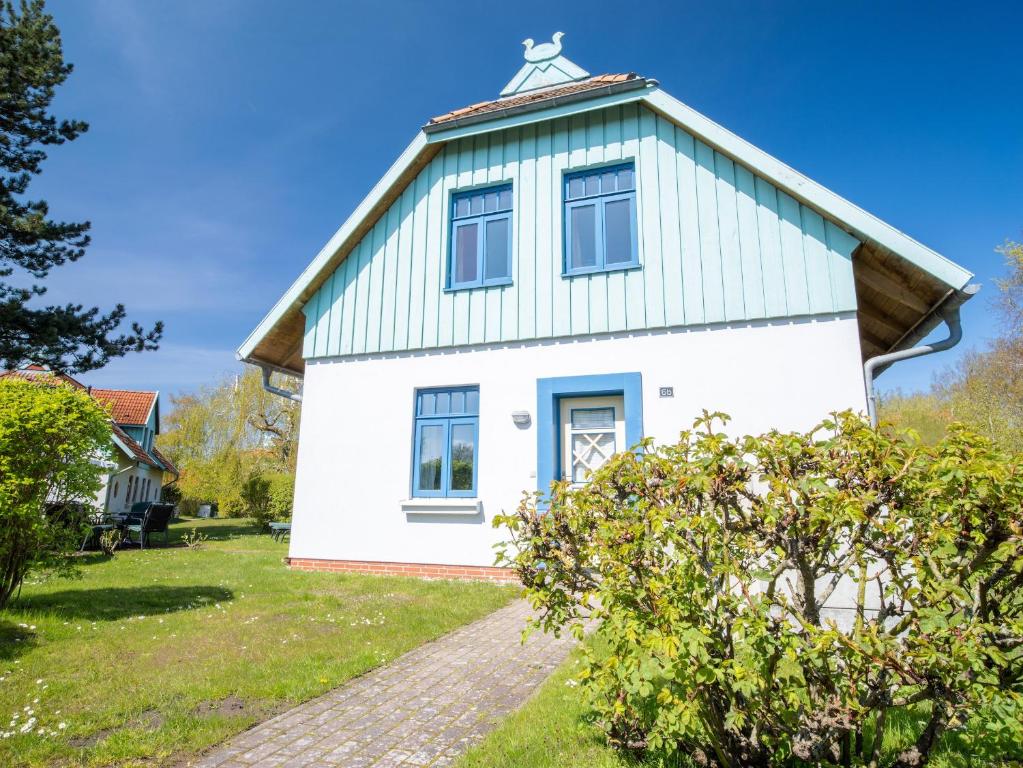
592, 430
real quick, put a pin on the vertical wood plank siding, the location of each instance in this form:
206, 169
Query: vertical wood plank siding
716, 244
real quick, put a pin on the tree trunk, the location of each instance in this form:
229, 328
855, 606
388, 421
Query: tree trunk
918, 755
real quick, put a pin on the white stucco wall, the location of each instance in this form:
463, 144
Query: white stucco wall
124, 470
355, 448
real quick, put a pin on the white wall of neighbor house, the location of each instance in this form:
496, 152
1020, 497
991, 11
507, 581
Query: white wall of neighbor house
118, 479
355, 453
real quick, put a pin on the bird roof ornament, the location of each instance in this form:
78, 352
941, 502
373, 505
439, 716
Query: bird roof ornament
544, 67
545, 51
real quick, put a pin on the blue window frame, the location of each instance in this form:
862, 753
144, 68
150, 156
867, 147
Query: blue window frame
444, 454
481, 238
600, 220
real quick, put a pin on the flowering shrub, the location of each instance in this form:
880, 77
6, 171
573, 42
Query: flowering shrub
109, 541
711, 567
195, 539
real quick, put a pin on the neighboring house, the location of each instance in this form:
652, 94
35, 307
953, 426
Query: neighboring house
543, 279
141, 467
136, 470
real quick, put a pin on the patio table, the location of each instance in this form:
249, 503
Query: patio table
279, 530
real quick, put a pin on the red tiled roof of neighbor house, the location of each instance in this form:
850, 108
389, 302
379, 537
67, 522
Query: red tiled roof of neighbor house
167, 463
127, 406
530, 97
137, 450
35, 372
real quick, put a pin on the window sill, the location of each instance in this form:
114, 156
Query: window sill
442, 506
600, 270
478, 286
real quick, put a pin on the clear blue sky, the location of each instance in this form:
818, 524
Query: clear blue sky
230, 139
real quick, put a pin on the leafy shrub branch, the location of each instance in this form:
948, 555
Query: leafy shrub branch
713, 568
53, 442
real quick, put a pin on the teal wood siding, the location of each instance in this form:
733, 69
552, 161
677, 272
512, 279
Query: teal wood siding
716, 244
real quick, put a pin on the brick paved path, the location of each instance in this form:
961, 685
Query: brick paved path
423, 709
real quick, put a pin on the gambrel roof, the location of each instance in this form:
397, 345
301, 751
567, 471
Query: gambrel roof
900, 283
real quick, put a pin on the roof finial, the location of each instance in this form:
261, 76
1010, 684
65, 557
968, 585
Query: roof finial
543, 52
544, 67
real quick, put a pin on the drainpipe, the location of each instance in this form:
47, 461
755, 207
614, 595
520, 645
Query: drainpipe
267, 370
948, 312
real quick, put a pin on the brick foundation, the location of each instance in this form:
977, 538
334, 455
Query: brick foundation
418, 570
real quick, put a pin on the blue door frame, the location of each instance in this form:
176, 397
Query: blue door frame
549, 393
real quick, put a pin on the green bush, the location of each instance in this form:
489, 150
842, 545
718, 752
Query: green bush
52, 437
267, 497
231, 503
708, 566
188, 507
170, 494
195, 540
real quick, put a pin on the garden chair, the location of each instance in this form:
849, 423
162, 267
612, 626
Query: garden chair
138, 511
156, 518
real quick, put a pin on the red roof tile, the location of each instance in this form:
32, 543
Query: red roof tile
137, 450
167, 463
42, 374
541, 94
127, 406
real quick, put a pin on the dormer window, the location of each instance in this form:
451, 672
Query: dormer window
481, 238
600, 220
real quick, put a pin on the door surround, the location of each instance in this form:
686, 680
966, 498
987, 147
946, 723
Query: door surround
549, 393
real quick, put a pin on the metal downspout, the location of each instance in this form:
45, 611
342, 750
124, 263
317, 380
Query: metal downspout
267, 370
949, 313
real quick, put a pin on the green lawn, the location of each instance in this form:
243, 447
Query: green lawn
550, 731
153, 656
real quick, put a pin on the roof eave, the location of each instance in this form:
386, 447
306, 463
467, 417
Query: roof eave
950, 301
310, 273
124, 448
589, 94
849, 216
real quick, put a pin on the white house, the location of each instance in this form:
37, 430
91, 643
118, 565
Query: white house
140, 468
543, 279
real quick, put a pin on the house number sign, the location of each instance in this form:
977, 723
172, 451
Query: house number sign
667, 391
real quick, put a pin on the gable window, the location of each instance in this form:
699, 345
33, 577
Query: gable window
600, 220
481, 238
444, 452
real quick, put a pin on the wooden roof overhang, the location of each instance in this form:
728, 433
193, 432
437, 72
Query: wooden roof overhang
897, 303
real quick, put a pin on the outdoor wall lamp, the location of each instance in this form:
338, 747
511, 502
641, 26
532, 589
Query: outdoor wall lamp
520, 418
